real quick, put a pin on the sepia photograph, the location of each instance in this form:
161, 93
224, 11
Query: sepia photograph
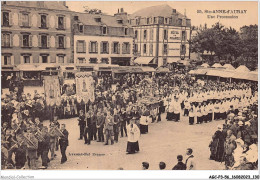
129, 85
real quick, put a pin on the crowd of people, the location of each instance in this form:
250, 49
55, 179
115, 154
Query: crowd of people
123, 108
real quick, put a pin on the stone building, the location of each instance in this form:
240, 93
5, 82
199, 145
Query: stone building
35, 33
102, 39
162, 35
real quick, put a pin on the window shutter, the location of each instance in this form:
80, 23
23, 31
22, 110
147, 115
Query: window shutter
2, 20
11, 40
180, 49
101, 47
2, 40
21, 59
64, 42
30, 20
20, 19
39, 21
65, 59
39, 41
77, 46
89, 47
163, 49
48, 41
10, 19
56, 59
56, 41
118, 48
64, 22
48, 59
48, 21
108, 47
30, 57
21, 40
84, 46
167, 49
112, 48
56, 21
30, 40
96, 47
12, 60
185, 35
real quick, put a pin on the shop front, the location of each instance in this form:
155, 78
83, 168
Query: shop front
8, 73
31, 74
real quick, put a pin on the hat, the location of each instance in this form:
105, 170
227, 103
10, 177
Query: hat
247, 123
220, 126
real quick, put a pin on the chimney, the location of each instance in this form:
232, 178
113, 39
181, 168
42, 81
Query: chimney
173, 11
122, 10
118, 10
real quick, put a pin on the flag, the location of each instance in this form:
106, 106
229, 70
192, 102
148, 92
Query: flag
52, 90
85, 87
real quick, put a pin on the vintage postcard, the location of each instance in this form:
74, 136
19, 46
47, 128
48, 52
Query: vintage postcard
129, 85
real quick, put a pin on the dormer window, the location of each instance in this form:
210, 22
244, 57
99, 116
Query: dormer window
120, 21
98, 19
104, 30
81, 28
147, 20
126, 31
76, 18
166, 20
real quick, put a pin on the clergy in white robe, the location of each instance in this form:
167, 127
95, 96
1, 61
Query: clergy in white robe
133, 133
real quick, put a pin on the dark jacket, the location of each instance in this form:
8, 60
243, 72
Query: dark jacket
64, 141
179, 166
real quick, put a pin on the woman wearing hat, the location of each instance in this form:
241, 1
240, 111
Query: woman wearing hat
133, 133
217, 145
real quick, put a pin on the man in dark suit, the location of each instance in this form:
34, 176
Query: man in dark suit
64, 142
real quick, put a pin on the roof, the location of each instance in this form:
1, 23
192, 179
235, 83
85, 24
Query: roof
242, 69
108, 20
229, 66
154, 11
216, 65
143, 60
205, 65
55, 5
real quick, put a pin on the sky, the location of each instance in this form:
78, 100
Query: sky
248, 18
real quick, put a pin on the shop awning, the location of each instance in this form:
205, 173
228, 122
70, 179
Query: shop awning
226, 74
143, 60
148, 69
246, 76
68, 67
162, 70
9, 68
173, 59
200, 71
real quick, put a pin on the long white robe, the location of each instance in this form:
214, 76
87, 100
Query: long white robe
133, 133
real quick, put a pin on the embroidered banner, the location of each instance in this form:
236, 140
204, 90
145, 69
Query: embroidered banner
85, 87
52, 90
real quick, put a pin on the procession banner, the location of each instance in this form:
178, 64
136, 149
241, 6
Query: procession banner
52, 90
85, 87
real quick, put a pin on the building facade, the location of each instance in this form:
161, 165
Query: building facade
102, 39
161, 35
35, 33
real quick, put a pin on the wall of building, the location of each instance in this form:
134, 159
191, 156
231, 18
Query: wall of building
15, 29
99, 55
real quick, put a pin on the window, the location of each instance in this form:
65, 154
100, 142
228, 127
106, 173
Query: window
61, 59
151, 34
116, 49
93, 48
154, 20
126, 48
44, 59
26, 40
81, 28
81, 60
136, 34
44, 41
164, 61
104, 61
165, 49
126, 31
25, 20
165, 34
136, 48
104, 30
6, 40
104, 47
60, 22
183, 49
43, 21
26, 59
81, 47
6, 19
147, 20
166, 21
61, 42
93, 60
183, 35
7, 60
144, 50
145, 34
151, 49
